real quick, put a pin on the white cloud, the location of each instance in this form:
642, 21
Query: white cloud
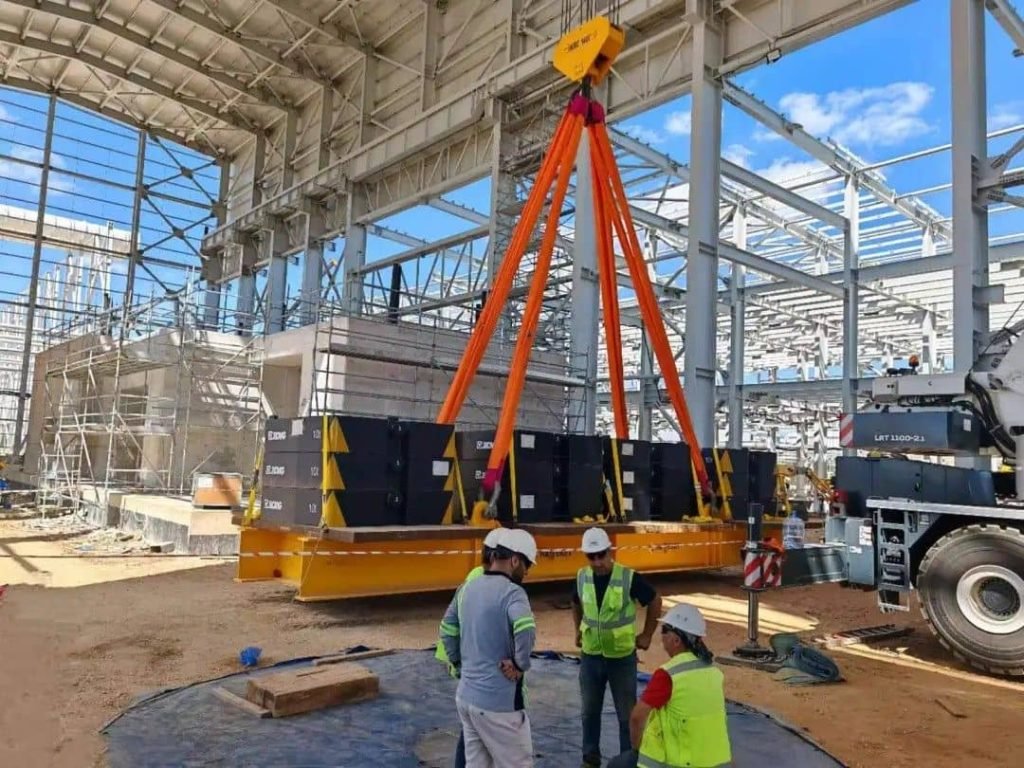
29, 174
678, 123
1006, 114
884, 116
765, 135
783, 170
739, 154
644, 134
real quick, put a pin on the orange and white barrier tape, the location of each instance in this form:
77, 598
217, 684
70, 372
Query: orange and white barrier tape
762, 569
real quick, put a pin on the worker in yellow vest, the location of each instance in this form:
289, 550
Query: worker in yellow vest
604, 612
680, 720
492, 541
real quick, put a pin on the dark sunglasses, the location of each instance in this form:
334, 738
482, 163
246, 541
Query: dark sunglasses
597, 555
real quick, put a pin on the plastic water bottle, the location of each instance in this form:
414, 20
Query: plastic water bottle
792, 532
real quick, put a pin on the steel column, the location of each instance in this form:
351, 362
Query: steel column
648, 389
737, 334
33, 286
584, 320
702, 248
288, 149
970, 219
851, 296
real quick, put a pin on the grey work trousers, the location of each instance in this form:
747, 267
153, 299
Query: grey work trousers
495, 739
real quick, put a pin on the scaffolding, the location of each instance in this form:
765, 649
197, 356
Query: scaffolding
146, 407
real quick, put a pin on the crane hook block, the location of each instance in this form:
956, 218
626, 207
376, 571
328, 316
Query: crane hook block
589, 50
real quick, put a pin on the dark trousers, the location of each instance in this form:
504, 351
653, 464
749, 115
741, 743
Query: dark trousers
597, 673
460, 751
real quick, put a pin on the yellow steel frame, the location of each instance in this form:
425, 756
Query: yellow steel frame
322, 567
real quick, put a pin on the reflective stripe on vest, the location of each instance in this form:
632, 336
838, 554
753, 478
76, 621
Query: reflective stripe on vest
452, 631
690, 731
608, 629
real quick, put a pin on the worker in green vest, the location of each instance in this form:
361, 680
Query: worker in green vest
604, 612
680, 720
492, 541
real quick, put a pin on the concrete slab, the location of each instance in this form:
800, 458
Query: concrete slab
173, 519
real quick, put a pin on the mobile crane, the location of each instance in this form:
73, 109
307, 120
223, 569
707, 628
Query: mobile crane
953, 535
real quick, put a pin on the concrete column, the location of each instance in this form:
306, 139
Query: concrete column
211, 307
245, 303
851, 296
970, 218
584, 320
353, 256
275, 246
312, 265
737, 334
702, 250
33, 285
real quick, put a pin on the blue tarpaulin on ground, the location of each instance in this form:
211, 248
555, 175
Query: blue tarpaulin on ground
411, 723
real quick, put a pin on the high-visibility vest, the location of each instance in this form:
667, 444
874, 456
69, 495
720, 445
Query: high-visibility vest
690, 730
608, 630
447, 629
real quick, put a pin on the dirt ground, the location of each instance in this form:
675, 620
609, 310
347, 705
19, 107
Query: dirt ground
80, 638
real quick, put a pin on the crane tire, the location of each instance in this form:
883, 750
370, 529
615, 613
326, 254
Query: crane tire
971, 592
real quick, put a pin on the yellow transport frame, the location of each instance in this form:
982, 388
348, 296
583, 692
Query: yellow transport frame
338, 563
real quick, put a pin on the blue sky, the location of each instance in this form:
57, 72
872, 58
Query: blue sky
882, 89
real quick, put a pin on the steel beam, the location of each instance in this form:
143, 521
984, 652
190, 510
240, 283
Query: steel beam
837, 158
33, 285
123, 32
700, 364
125, 74
323, 25
1009, 19
239, 40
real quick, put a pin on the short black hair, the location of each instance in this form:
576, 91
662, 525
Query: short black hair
488, 555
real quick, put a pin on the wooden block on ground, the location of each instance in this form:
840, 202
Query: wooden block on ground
343, 657
237, 701
310, 688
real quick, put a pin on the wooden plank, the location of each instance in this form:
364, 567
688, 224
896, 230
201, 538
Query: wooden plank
352, 656
308, 689
243, 704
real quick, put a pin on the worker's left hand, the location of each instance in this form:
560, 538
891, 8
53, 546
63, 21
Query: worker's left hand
508, 669
643, 641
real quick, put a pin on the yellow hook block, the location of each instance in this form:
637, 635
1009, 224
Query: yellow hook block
589, 50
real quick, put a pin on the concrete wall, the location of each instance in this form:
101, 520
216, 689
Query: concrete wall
404, 370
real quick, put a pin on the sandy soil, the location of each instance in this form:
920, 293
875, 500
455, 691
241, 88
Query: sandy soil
72, 656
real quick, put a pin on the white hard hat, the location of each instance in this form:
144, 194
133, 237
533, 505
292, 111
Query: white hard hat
495, 537
686, 618
521, 543
595, 540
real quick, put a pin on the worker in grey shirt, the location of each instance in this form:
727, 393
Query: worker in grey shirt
491, 649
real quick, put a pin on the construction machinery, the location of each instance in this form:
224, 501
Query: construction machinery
784, 498
952, 534
337, 558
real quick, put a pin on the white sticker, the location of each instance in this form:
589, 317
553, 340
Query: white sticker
527, 441
526, 502
439, 469
627, 477
856, 551
627, 504
297, 427
627, 449
865, 538
967, 425
204, 481
274, 436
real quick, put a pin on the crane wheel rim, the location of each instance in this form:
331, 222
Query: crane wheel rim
991, 598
